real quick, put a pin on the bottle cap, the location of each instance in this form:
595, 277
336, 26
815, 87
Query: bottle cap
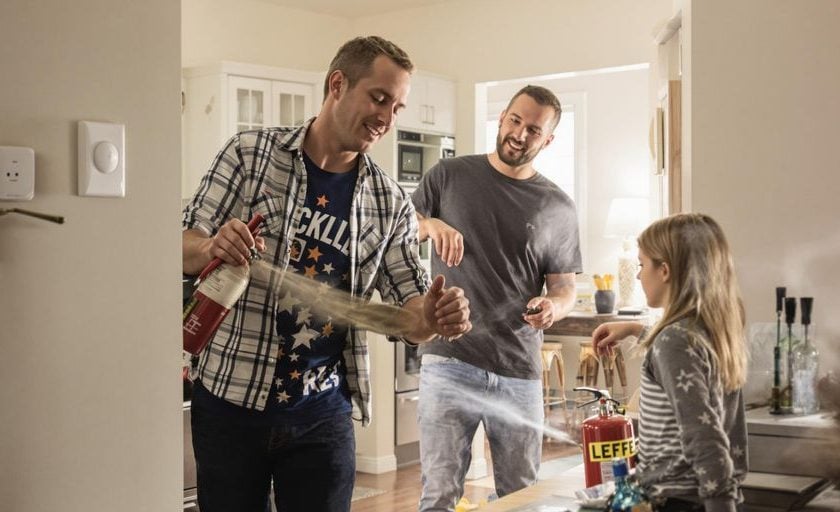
790, 310
619, 467
807, 304
780, 296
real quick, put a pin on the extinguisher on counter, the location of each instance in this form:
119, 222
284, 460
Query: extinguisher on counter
220, 286
607, 435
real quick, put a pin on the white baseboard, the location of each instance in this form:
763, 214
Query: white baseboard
376, 465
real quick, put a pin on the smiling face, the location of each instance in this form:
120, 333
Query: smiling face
525, 128
365, 111
654, 276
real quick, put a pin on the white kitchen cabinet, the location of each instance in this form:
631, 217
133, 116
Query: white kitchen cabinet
227, 98
431, 105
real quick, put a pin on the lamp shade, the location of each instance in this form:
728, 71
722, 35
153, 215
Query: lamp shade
627, 217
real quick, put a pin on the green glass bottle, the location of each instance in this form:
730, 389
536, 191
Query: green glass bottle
628, 496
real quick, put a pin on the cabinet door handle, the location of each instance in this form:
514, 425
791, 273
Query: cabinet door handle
412, 399
433, 114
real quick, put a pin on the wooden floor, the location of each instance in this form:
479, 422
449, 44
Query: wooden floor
403, 486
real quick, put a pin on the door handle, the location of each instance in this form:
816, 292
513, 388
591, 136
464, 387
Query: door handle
412, 399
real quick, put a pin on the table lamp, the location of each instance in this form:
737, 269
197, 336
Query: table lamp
626, 218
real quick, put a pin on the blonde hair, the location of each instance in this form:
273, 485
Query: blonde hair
702, 287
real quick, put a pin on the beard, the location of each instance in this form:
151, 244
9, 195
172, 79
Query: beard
514, 161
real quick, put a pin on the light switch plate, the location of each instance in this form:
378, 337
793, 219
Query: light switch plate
17, 173
101, 159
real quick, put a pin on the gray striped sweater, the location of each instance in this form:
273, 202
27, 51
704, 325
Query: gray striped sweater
692, 434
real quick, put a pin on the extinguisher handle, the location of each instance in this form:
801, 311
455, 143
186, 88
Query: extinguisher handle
253, 224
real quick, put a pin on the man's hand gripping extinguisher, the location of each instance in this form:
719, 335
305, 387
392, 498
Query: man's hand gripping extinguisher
606, 436
220, 286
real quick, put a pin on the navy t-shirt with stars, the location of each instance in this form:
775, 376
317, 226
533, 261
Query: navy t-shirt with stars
310, 380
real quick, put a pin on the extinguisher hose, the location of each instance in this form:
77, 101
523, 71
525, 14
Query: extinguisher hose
253, 224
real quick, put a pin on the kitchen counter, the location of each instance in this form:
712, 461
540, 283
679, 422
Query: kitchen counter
582, 324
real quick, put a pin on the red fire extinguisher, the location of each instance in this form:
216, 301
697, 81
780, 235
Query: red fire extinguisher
220, 286
606, 436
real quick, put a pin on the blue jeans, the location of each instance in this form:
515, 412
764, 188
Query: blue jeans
454, 398
313, 465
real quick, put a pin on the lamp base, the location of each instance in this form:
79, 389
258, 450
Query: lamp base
626, 281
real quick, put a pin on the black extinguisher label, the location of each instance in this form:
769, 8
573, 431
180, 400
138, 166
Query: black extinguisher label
608, 450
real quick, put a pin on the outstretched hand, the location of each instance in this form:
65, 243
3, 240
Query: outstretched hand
446, 311
606, 336
449, 242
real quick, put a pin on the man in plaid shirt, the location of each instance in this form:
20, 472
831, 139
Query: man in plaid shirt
277, 388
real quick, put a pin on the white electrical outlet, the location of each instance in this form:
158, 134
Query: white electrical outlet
17, 173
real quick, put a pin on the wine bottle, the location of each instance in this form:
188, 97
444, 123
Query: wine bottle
805, 366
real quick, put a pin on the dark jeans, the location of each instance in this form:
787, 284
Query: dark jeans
313, 465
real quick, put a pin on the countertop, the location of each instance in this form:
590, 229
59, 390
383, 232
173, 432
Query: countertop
819, 426
582, 324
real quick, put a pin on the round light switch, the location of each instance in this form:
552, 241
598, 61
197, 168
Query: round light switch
105, 157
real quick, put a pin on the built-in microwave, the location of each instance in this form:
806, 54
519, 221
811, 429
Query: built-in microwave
409, 162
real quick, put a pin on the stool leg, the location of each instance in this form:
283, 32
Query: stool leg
558, 365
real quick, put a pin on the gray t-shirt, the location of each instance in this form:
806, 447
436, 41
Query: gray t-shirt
515, 232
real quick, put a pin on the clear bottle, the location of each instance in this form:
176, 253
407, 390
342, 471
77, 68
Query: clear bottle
805, 367
628, 495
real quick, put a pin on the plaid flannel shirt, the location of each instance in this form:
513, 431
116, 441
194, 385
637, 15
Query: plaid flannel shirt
262, 172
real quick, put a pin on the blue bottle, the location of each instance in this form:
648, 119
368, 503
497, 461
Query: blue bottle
628, 496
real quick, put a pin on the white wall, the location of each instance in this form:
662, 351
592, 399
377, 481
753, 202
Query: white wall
257, 32
764, 117
90, 407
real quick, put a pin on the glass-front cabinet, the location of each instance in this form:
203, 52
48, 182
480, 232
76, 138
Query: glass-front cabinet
260, 103
227, 98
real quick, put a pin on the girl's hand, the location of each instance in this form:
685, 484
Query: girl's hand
607, 335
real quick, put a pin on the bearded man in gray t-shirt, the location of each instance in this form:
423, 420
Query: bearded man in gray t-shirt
504, 233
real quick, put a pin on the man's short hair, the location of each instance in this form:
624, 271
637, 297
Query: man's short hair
543, 97
356, 56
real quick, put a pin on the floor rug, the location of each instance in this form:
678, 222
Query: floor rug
548, 469
360, 493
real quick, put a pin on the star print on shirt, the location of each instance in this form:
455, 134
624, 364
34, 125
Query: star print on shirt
737, 451
705, 419
327, 269
280, 352
293, 357
304, 337
288, 302
283, 397
322, 201
683, 381
701, 471
327, 330
304, 316
710, 485
295, 375
310, 272
314, 254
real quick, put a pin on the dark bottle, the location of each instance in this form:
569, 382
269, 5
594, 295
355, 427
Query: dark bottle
628, 495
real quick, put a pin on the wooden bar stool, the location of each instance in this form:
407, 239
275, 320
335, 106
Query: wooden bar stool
588, 365
552, 362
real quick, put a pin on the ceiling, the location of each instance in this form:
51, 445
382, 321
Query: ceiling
354, 8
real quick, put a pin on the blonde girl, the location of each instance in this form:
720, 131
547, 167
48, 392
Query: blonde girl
692, 429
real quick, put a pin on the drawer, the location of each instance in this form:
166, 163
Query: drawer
787, 455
